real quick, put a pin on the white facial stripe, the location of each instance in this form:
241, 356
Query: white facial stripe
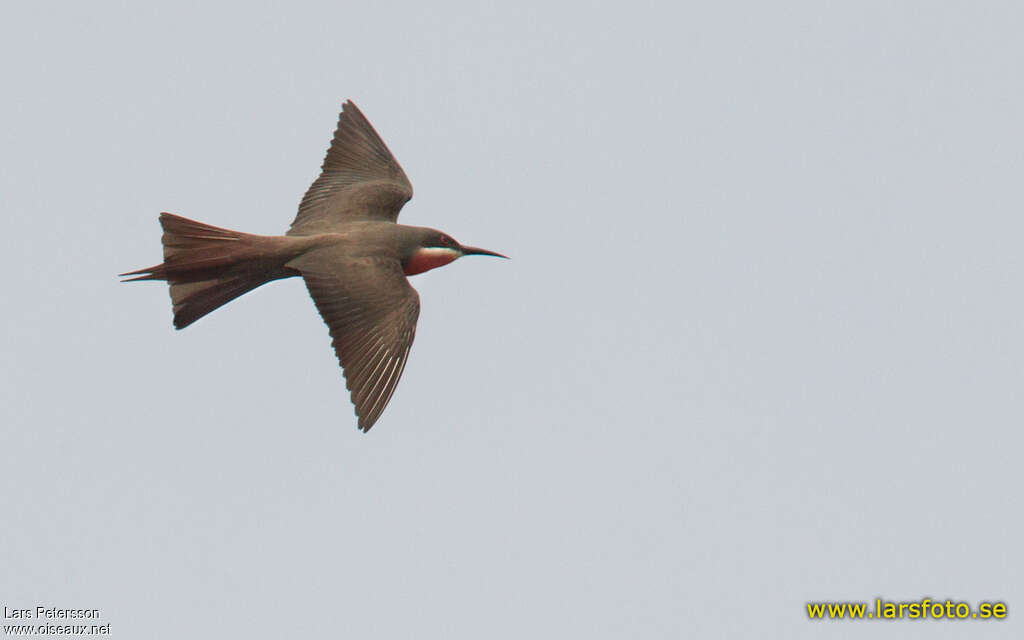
438, 252
427, 258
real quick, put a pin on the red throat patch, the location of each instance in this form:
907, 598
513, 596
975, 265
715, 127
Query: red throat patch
429, 258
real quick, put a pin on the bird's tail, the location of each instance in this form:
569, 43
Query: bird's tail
208, 266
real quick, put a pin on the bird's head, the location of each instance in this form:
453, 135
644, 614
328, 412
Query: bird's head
434, 249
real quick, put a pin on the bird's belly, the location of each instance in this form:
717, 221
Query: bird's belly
427, 259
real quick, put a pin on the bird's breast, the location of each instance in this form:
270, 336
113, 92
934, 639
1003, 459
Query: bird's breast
428, 258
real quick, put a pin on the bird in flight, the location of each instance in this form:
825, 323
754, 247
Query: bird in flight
347, 246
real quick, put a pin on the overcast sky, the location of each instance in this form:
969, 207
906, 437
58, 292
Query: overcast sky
759, 343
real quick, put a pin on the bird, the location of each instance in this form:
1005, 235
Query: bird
345, 243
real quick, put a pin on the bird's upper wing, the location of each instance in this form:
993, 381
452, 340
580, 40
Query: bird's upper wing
360, 180
371, 310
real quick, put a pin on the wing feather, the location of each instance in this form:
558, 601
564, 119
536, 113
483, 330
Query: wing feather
371, 310
359, 180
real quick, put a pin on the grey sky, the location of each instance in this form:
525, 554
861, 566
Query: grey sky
759, 342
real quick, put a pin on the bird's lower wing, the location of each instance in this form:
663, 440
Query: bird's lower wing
371, 310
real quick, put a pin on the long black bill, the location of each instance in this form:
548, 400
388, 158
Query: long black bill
475, 251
